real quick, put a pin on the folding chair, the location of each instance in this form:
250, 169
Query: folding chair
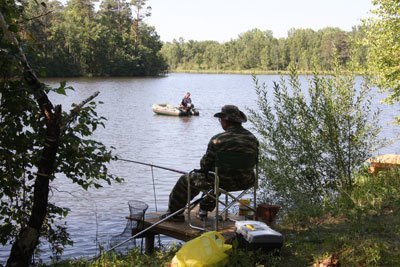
234, 161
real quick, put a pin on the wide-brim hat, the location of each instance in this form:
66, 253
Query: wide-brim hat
231, 113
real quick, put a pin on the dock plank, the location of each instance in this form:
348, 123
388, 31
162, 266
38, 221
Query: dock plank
182, 231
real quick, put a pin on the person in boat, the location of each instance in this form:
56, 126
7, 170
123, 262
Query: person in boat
186, 103
234, 138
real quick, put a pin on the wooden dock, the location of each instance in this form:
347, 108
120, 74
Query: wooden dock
383, 162
182, 230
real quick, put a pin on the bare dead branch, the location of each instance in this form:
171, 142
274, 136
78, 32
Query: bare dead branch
75, 111
80, 105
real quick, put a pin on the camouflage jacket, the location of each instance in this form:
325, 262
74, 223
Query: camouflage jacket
236, 139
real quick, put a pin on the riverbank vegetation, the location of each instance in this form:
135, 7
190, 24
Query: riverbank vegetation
313, 141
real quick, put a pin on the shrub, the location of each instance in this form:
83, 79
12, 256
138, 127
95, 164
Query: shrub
313, 141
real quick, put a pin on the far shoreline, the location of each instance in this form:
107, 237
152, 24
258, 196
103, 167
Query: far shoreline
239, 72
260, 72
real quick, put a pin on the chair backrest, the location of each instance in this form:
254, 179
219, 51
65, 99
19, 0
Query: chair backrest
236, 160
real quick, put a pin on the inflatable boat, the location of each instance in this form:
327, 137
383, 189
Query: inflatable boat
170, 110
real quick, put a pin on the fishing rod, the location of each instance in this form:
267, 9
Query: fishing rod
191, 205
152, 165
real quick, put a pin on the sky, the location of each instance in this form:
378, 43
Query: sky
224, 20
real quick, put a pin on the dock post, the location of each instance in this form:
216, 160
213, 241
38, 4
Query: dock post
149, 243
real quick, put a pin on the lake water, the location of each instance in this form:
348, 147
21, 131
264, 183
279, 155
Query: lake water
139, 134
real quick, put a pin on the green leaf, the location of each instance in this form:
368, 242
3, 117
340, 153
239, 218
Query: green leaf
61, 91
13, 28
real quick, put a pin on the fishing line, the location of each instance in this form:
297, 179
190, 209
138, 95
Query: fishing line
154, 188
153, 165
155, 200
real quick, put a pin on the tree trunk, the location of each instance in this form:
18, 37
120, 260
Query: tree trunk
23, 248
25, 244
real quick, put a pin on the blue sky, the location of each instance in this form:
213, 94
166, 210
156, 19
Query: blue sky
223, 20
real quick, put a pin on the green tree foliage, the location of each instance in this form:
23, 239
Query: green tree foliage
313, 141
29, 159
149, 60
252, 46
259, 51
141, 11
383, 40
358, 49
115, 18
301, 46
334, 44
78, 40
81, 33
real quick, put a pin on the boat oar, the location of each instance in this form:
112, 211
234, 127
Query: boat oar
193, 204
152, 165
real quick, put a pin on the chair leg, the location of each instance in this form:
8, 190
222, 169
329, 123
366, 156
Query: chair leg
188, 199
226, 210
216, 191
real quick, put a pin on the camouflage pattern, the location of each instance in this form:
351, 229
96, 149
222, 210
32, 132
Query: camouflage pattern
236, 139
198, 183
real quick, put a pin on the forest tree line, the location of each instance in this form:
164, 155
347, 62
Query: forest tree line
80, 40
114, 40
260, 51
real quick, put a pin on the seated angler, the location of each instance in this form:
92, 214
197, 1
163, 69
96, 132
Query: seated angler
186, 103
235, 138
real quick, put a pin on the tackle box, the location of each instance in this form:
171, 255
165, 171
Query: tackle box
254, 235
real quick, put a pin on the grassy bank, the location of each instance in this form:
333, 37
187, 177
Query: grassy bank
257, 72
361, 228
249, 72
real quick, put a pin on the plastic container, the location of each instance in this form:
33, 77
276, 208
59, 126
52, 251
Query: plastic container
254, 235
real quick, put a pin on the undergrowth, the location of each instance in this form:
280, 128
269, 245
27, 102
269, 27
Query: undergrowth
362, 228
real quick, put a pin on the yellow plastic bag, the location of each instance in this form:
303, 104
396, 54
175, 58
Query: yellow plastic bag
207, 250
